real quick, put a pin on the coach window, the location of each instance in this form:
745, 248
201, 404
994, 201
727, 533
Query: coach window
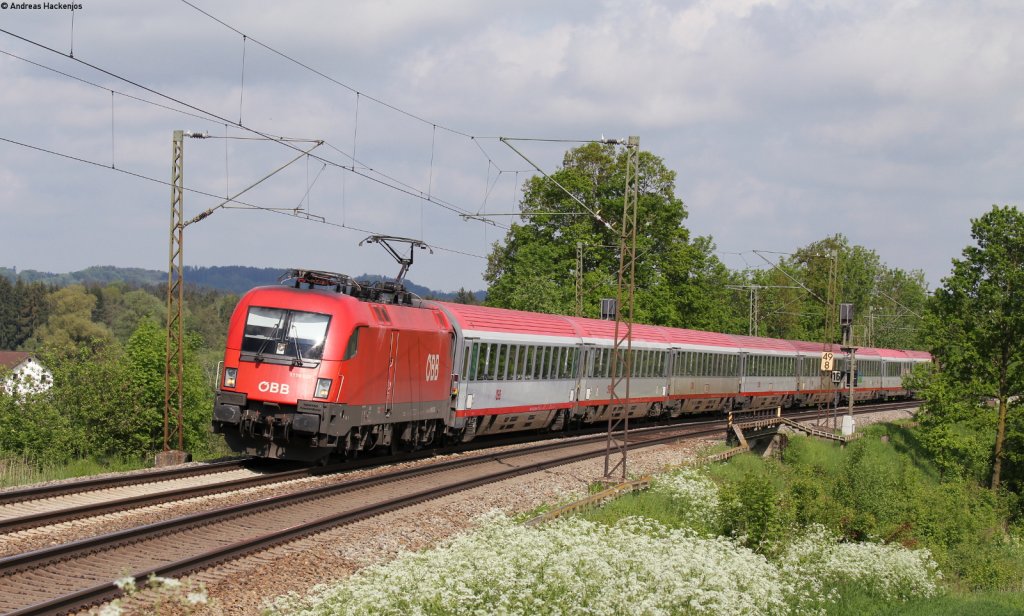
492, 361
469, 361
513, 363
528, 363
501, 362
483, 361
563, 362
557, 356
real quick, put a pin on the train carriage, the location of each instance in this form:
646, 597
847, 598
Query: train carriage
518, 371
769, 372
705, 371
651, 356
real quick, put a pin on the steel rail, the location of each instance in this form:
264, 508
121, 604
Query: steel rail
9, 497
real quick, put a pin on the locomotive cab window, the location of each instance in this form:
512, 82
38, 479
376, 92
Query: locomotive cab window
277, 335
353, 344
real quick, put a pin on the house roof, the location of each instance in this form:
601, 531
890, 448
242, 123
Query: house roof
11, 359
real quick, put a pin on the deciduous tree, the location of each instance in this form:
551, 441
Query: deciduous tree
679, 281
977, 321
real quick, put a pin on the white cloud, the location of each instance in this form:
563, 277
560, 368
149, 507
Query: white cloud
900, 112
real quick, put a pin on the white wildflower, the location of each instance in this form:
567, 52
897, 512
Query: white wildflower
111, 609
126, 583
696, 494
890, 571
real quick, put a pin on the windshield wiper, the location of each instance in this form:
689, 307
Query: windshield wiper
298, 352
273, 336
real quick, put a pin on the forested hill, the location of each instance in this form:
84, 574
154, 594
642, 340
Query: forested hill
231, 278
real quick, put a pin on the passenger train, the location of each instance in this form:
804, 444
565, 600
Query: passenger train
325, 367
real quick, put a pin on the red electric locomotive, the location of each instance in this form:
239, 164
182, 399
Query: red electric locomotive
335, 367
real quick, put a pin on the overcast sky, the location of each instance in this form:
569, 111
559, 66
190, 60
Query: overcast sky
892, 122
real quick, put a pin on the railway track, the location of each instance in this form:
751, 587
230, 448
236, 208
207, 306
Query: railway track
79, 486
67, 577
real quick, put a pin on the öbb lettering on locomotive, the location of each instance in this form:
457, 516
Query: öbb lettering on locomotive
420, 373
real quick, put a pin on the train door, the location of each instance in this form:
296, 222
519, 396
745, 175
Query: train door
389, 395
582, 391
453, 356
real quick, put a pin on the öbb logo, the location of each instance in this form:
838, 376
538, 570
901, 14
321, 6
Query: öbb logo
433, 366
274, 388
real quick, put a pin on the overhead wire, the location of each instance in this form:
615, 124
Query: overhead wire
196, 191
211, 116
326, 76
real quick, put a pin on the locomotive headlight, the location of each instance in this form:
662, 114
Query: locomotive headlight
323, 388
230, 377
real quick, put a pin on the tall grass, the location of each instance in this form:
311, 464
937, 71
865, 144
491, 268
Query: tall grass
18, 470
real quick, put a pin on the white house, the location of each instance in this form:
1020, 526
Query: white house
23, 372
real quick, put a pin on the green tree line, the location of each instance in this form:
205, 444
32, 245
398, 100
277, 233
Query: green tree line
680, 281
105, 347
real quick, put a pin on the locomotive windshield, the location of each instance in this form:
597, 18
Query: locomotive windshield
276, 334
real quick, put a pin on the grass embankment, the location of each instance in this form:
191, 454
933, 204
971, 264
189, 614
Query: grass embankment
20, 470
869, 529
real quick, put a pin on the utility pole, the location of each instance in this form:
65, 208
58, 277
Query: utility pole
174, 365
622, 349
846, 322
579, 279
753, 318
174, 360
831, 297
